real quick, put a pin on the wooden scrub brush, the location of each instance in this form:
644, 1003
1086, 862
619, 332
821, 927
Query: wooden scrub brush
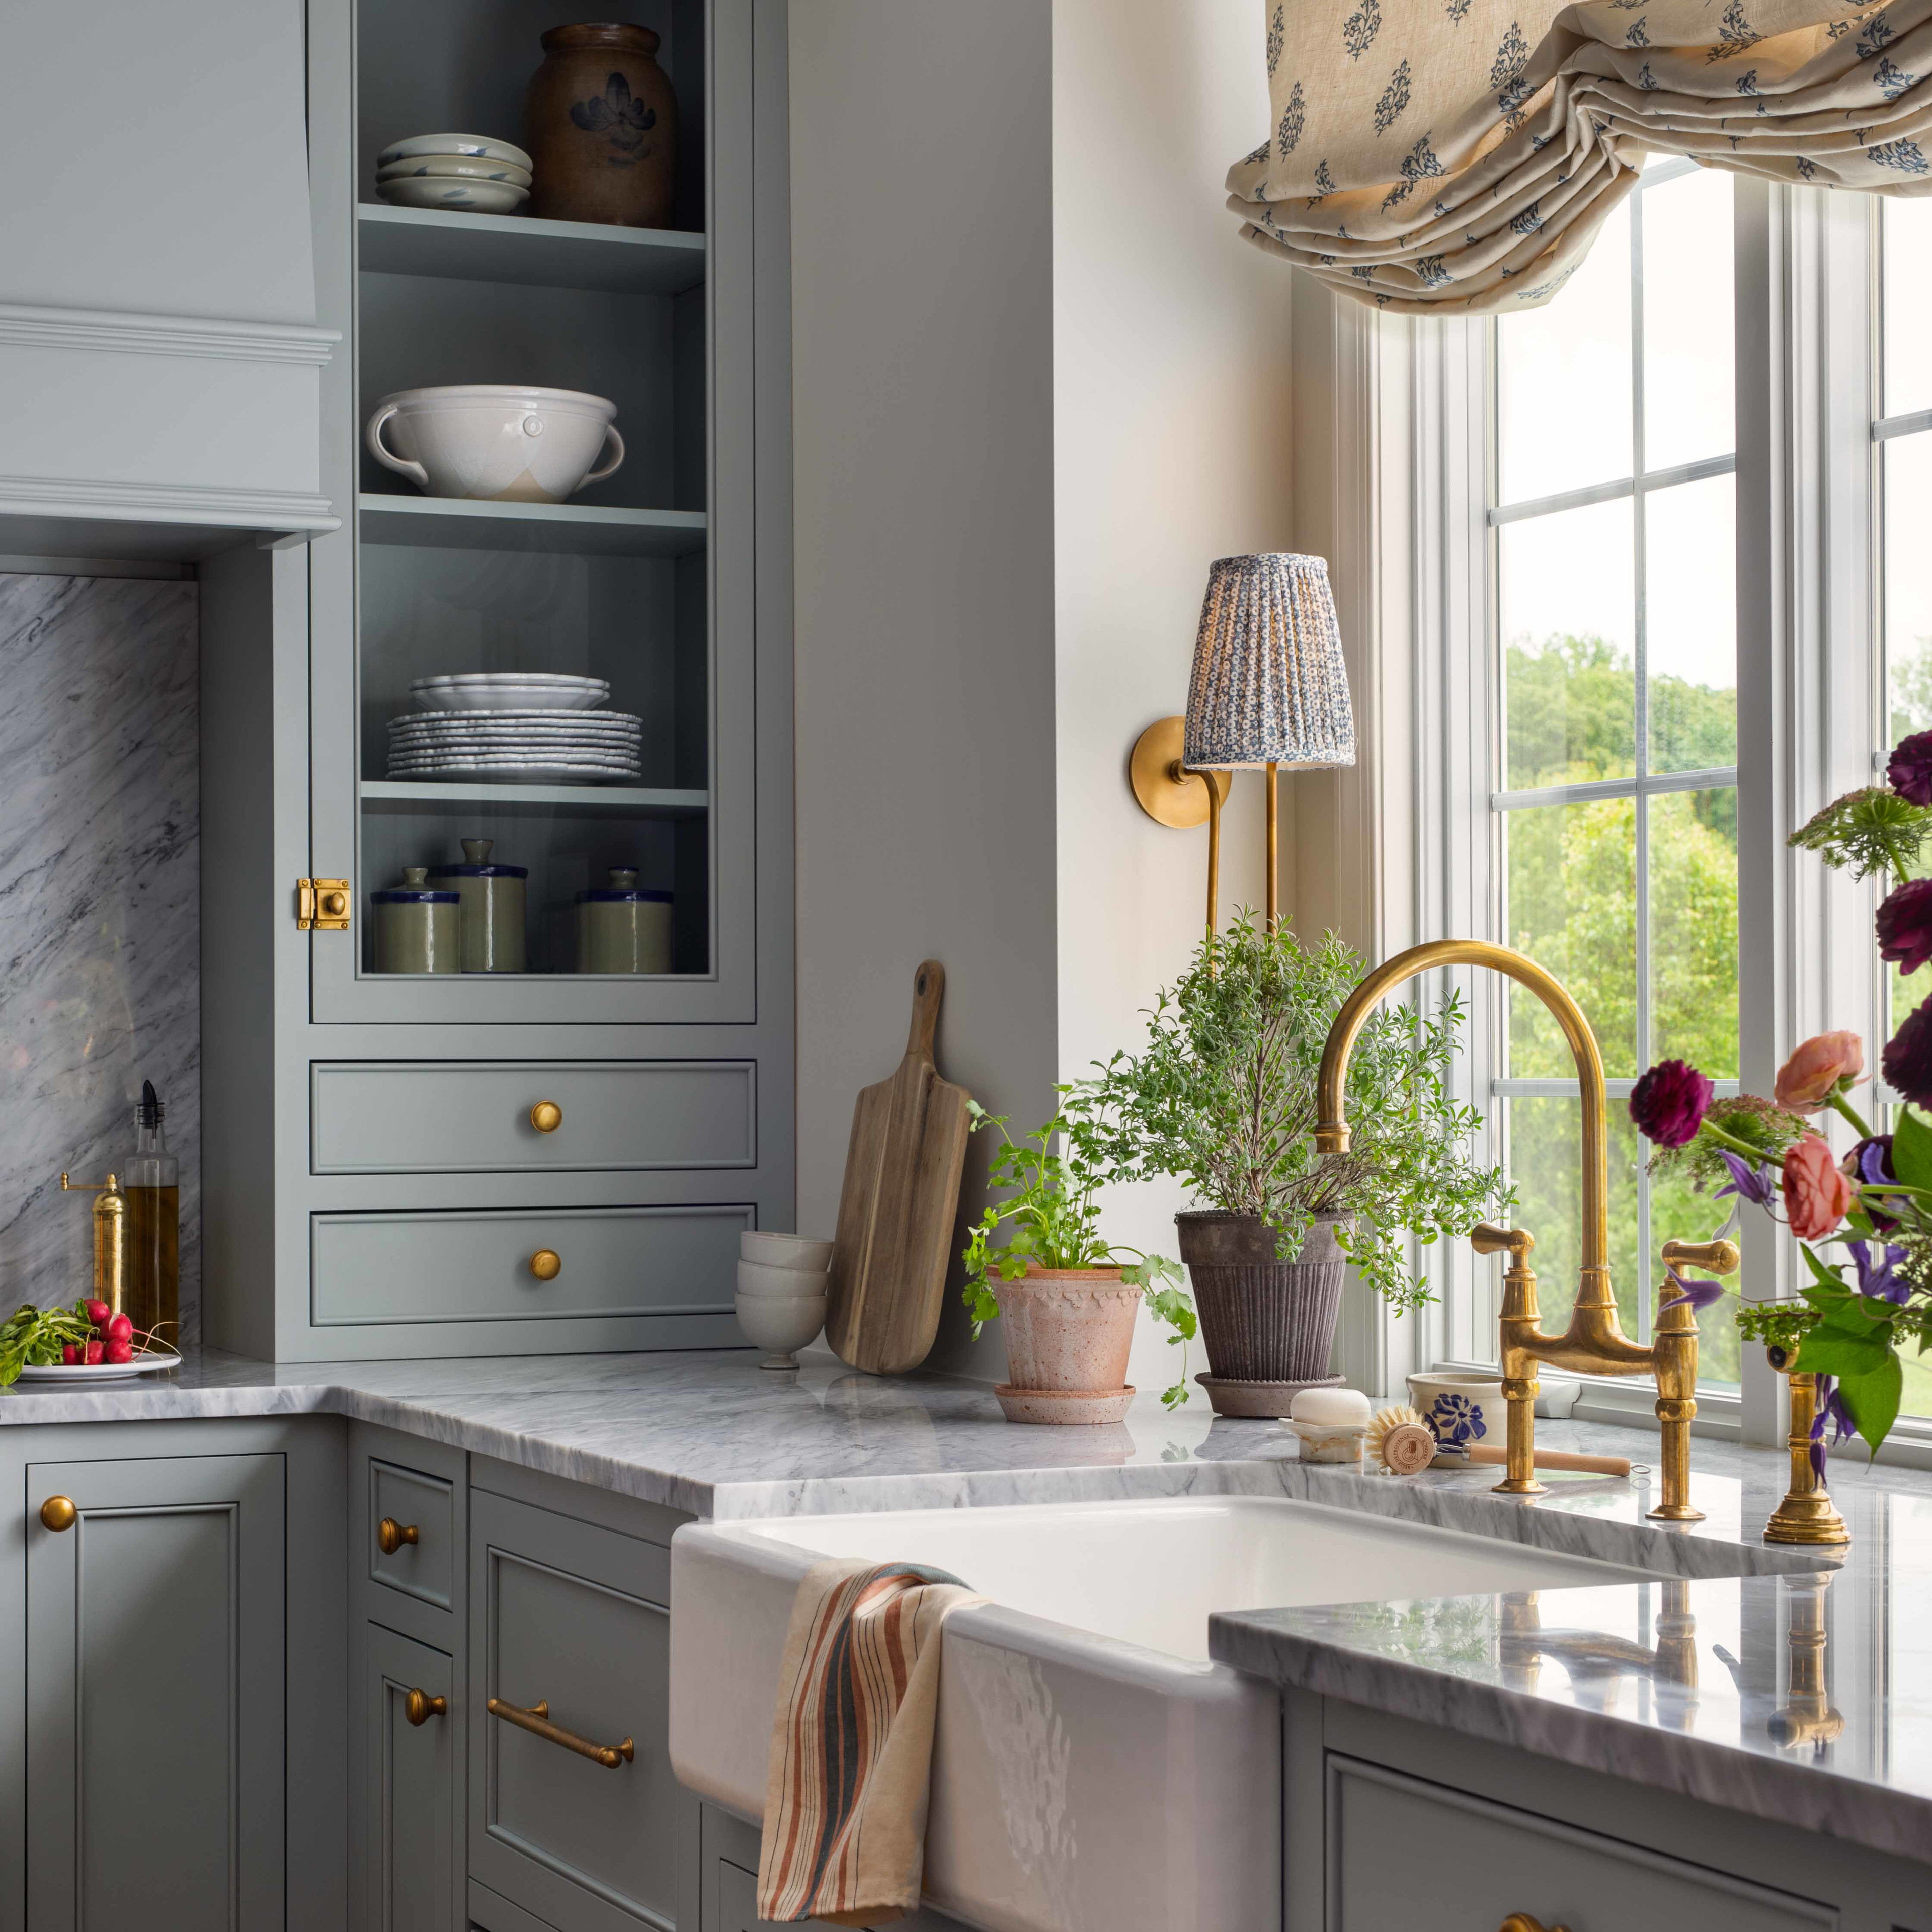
1400, 1441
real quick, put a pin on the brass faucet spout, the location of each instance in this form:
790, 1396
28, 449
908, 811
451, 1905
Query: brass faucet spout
1593, 1342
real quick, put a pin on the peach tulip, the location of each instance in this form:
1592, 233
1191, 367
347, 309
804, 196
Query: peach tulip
1814, 1071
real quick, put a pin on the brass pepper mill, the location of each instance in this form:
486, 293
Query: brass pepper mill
110, 1238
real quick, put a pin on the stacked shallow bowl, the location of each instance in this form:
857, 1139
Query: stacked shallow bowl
468, 172
783, 1280
529, 727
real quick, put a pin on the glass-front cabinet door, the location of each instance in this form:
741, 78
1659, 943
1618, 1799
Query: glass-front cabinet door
532, 665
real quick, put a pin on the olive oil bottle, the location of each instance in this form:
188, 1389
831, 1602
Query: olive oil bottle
151, 1180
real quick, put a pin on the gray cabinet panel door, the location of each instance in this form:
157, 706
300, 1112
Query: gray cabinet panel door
1465, 1864
477, 1266
444, 1117
410, 1816
423, 1565
565, 1613
155, 1695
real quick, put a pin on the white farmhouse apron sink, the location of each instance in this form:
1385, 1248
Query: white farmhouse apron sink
1092, 1771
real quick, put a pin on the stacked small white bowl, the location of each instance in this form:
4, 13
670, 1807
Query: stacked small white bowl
468, 172
527, 726
782, 1283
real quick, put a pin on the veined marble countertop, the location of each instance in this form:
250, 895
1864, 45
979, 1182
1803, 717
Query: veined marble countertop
1696, 1685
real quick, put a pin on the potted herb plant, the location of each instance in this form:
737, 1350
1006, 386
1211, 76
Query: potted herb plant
1223, 1097
1067, 1295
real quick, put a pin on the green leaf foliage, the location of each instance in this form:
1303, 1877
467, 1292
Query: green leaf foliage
1873, 1397
1051, 1219
1912, 1149
1222, 1095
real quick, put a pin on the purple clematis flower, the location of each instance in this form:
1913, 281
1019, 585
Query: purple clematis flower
1691, 1293
1880, 1279
1833, 1413
1871, 1163
1748, 1183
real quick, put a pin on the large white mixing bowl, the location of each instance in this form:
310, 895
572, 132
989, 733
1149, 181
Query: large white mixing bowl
495, 441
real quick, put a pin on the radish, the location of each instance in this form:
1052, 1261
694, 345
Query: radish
119, 1350
69, 1353
98, 1312
120, 1328
93, 1353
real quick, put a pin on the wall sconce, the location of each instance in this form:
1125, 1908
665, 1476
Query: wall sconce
1269, 687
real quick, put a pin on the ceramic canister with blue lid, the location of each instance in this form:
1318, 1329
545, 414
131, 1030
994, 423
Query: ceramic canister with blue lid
492, 908
418, 930
623, 927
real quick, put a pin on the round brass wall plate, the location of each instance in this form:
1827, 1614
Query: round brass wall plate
1166, 794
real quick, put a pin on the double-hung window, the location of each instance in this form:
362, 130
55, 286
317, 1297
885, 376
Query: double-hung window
1664, 588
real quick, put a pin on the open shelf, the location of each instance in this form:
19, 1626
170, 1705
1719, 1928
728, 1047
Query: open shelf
579, 529
636, 800
449, 243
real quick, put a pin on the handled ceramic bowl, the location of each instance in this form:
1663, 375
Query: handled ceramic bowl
496, 441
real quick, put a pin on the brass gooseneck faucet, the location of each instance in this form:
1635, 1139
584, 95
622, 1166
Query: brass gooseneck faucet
1593, 1342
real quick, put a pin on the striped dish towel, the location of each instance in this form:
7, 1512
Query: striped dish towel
851, 1762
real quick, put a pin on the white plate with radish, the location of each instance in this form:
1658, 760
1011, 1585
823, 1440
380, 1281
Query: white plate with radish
144, 1363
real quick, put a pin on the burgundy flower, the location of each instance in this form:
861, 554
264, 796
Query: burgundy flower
1907, 1060
1871, 1163
1905, 926
1909, 773
1669, 1102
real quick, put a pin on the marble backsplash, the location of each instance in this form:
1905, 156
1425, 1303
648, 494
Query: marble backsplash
100, 930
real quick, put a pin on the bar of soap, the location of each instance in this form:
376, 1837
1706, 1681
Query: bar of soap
1343, 1407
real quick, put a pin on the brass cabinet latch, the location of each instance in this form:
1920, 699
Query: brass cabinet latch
322, 903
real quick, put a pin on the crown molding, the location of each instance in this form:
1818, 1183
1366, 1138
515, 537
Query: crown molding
170, 502
105, 330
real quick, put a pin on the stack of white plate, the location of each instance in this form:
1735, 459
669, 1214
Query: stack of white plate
465, 171
531, 728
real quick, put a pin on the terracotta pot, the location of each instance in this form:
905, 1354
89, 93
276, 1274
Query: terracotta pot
1262, 1319
1068, 1331
601, 123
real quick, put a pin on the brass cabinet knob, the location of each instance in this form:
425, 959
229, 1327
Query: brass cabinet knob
419, 1709
546, 1116
58, 1512
335, 903
1521, 1921
391, 1535
546, 1264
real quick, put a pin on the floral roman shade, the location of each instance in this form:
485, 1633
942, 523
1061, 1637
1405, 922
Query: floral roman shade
1442, 156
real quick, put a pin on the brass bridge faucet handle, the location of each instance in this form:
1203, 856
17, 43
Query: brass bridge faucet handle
1713, 1257
1520, 1314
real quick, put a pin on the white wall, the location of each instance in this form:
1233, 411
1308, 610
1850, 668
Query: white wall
922, 347
1172, 447
1040, 384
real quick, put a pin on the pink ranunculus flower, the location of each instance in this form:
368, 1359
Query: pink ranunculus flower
1816, 1193
1814, 1071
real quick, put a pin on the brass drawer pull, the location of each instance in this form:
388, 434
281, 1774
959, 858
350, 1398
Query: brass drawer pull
58, 1512
536, 1719
1521, 1921
546, 1264
391, 1535
546, 1116
419, 1709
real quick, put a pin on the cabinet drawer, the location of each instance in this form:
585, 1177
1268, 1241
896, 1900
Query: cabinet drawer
568, 1614
1465, 1864
455, 1266
430, 1117
415, 1515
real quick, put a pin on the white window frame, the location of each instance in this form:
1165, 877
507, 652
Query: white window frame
1393, 455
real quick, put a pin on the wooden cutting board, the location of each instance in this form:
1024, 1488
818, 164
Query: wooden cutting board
901, 1195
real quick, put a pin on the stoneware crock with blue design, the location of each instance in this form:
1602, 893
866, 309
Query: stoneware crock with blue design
1461, 1409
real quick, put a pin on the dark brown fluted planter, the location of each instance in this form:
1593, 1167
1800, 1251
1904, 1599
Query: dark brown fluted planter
1262, 1320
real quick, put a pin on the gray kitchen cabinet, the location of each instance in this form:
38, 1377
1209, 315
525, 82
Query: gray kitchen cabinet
377, 1145
574, 1813
155, 1722
1467, 1864
411, 1799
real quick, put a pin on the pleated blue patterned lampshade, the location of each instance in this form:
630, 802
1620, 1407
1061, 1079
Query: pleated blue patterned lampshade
1269, 685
